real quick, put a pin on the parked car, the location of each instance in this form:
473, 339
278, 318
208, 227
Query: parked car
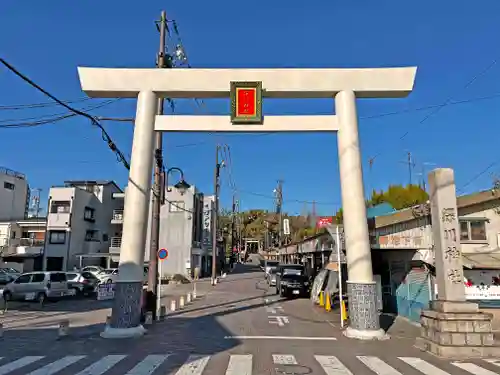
294, 285
8, 275
271, 278
270, 265
108, 276
83, 283
92, 269
38, 286
288, 269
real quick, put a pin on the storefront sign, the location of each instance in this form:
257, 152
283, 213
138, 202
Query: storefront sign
105, 291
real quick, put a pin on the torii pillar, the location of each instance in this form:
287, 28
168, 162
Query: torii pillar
343, 85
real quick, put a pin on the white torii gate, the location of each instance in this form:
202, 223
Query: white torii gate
343, 85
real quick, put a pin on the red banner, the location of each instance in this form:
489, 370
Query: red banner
324, 221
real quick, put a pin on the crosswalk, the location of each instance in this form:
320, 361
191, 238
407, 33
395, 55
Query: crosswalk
237, 364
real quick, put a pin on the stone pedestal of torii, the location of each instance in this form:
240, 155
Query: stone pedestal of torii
343, 86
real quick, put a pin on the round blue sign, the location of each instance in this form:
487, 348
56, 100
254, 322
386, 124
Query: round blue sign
162, 254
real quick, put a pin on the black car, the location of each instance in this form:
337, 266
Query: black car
293, 285
287, 269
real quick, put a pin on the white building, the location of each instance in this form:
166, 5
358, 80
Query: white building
182, 232
14, 195
79, 224
22, 244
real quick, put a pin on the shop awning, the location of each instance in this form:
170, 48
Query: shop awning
484, 260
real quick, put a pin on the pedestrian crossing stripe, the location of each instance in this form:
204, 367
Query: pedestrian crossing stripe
238, 364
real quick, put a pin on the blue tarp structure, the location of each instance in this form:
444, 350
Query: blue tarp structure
379, 210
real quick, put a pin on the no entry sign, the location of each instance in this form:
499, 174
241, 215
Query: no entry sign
162, 254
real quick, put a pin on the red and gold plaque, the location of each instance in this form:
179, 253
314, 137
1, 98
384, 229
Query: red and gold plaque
246, 102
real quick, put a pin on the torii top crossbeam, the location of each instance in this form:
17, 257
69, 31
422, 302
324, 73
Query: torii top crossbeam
277, 83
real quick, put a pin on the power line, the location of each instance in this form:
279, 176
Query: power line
105, 136
440, 107
369, 117
49, 119
16, 107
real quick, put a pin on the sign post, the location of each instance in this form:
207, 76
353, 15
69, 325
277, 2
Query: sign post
339, 266
162, 255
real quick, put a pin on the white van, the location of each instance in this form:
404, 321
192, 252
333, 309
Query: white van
38, 286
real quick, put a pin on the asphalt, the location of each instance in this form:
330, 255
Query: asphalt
240, 321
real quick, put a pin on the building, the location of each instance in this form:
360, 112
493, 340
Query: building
402, 250
14, 195
181, 231
22, 244
79, 224
403, 255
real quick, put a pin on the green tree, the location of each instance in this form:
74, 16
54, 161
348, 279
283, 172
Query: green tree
398, 196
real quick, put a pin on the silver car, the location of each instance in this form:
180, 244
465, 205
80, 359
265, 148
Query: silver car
271, 277
38, 286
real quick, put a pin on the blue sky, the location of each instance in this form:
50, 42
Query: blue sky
450, 41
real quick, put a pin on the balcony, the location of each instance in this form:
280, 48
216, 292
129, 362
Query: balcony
23, 247
117, 216
115, 245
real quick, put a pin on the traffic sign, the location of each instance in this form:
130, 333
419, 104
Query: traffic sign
162, 254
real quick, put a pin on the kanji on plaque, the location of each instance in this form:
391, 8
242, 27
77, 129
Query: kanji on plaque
246, 102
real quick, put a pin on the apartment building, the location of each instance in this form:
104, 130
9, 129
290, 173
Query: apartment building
181, 232
79, 224
14, 195
22, 244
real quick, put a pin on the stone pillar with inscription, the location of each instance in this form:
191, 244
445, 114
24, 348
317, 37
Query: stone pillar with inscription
453, 327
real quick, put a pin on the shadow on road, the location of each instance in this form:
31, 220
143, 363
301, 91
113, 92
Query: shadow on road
201, 335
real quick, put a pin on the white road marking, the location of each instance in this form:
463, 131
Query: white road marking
58, 365
331, 365
274, 309
284, 359
378, 366
148, 365
17, 364
473, 369
423, 366
103, 365
279, 320
239, 365
194, 365
493, 361
279, 338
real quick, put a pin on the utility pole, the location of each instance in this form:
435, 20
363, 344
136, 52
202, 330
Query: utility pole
215, 214
279, 204
233, 227
411, 164
153, 288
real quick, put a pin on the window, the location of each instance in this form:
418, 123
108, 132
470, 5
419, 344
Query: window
91, 235
23, 279
58, 277
9, 186
473, 230
57, 236
177, 206
89, 276
105, 237
89, 214
60, 207
38, 278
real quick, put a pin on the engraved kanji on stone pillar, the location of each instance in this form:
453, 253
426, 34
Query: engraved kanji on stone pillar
446, 235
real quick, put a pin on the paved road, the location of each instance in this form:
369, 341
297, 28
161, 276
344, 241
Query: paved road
239, 328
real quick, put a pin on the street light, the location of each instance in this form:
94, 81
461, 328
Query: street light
182, 186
